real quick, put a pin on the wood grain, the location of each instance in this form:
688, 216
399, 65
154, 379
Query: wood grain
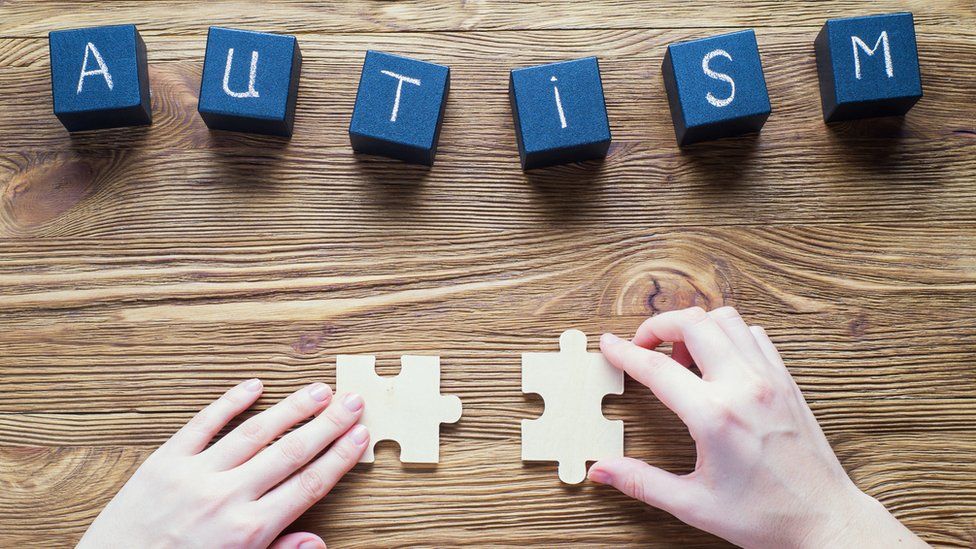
142, 271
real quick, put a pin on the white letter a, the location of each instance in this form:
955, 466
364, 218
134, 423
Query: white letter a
102, 69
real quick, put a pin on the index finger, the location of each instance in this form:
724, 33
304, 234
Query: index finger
666, 327
673, 384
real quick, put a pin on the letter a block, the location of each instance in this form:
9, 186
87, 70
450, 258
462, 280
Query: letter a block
99, 78
399, 108
250, 82
715, 87
560, 113
868, 66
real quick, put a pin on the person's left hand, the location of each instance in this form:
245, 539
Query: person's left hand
239, 492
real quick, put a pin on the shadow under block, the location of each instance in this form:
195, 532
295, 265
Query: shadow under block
868, 66
559, 112
715, 87
572, 429
407, 408
99, 78
250, 82
399, 108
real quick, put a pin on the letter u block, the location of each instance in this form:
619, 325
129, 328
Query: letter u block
559, 112
868, 66
99, 78
250, 82
715, 87
399, 108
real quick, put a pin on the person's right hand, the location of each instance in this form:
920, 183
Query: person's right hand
766, 475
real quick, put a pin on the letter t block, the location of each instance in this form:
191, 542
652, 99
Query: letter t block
715, 87
99, 78
399, 108
250, 82
868, 66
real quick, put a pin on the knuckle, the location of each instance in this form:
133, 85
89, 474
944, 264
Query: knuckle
338, 421
312, 485
231, 397
253, 430
200, 421
634, 487
760, 392
292, 449
343, 452
247, 533
299, 406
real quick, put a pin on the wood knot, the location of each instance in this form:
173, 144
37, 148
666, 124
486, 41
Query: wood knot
44, 192
858, 326
658, 289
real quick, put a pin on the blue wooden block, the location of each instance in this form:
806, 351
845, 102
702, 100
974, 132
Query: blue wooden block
868, 66
99, 78
399, 108
559, 112
715, 87
250, 82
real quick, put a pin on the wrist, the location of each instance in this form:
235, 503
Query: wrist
851, 519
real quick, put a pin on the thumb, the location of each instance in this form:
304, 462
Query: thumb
298, 540
678, 495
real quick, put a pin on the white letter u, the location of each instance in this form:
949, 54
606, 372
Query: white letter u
251, 92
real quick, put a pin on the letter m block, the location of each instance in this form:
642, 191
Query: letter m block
99, 78
868, 66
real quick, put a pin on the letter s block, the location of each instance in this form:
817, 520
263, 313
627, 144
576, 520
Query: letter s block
99, 78
399, 108
868, 66
250, 82
716, 87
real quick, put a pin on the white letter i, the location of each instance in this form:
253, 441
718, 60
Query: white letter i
559, 103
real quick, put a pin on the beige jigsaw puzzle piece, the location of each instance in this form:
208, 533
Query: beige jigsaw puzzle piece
571, 429
408, 408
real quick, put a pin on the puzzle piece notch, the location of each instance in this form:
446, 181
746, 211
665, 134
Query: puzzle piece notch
572, 429
407, 408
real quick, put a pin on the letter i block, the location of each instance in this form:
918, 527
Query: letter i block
715, 87
559, 112
399, 108
250, 82
99, 78
868, 66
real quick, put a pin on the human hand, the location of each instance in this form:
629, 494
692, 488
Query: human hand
765, 475
239, 492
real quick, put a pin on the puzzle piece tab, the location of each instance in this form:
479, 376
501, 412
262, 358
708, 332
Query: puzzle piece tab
407, 408
572, 429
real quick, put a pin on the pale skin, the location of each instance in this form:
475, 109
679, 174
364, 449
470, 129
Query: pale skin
245, 488
766, 476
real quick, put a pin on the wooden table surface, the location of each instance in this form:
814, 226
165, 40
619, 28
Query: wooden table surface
143, 271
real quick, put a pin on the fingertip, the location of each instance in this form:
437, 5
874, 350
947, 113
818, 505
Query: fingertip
253, 385
320, 392
609, 339
599, 475
298, 540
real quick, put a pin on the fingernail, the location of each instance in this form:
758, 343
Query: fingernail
353, 402
253, 385
359, 434
599, 476
310, 544
610, 339
319, 391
